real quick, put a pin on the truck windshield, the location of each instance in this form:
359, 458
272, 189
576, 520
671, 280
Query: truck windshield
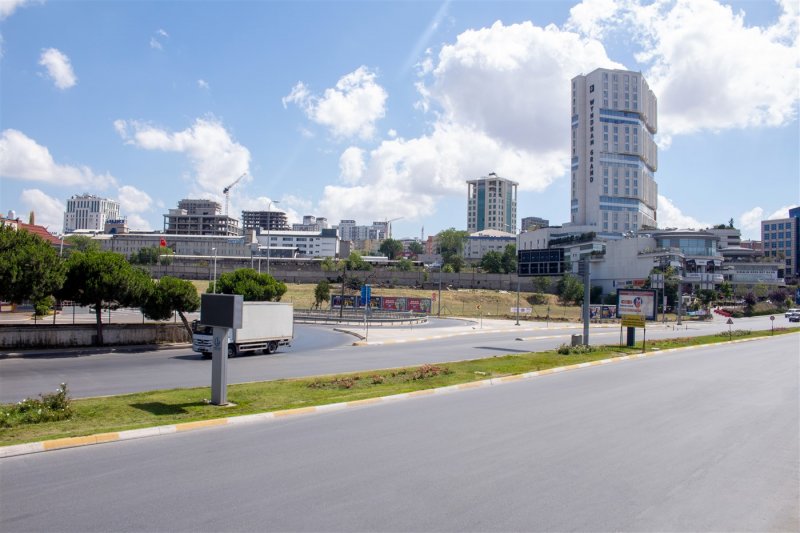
200, 329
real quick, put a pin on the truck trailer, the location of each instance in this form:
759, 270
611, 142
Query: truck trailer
265, 327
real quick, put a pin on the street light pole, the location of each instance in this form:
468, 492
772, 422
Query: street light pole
215, 269
269, 226
517, 250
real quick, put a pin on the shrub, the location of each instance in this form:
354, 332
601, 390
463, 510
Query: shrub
47, 408
566, 349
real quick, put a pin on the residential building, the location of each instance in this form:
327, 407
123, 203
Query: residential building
261, 220
89, 212
780, 240
489, 240
311, 223
533, 223
492, 204
199, 217
614, 156
323, 243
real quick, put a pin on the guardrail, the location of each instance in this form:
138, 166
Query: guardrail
351, 316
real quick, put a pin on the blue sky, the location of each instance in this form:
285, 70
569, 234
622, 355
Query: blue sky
379, 110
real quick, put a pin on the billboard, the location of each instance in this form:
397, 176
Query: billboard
636, 302
385, 303
601, 312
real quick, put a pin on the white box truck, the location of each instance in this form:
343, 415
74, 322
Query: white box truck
265, 326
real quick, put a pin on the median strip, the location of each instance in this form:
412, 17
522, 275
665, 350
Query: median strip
460, 376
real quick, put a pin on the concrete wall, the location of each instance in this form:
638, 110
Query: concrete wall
64, 335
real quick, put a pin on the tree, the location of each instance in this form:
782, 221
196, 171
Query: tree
169, 295
492, 262
404, 265
416, 248
82, 243
750, 300
355, 262
391, 248
322, 293
254, 287
706, 296
450, 245
30, 268
510, 258
570, 289
596, 294
778, 297
328, 265
104, 280
541, 284
153, 255
726, 291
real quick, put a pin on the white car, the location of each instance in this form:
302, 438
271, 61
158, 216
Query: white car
791, 311
794, 317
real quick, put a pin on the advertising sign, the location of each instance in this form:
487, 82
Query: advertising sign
601, 312
350, 302
419, 305
636, 302
394, 303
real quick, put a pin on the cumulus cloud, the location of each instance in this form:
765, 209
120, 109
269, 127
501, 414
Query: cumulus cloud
24, 159
349, 109
351, 165
155, 44
133, 200
155, 41
203, 84
216, 158
480, 121
750, 221
708, 68
670, 216
7, 7
49, 211
58, 68
137, 222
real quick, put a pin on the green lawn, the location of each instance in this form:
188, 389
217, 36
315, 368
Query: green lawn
131, 411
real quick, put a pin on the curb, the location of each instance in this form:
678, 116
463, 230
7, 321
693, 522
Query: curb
91, 350
74, 442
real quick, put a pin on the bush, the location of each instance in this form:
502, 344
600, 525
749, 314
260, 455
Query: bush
566, 349
47, 408
735, 333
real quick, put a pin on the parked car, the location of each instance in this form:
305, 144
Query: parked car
794, 317
791, 311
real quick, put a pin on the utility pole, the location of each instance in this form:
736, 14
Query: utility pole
587, 280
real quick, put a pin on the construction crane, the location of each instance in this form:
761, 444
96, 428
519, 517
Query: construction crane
227, 191
388, 223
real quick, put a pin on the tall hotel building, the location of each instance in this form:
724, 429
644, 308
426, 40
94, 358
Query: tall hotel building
613, 152
492, 204
89, 212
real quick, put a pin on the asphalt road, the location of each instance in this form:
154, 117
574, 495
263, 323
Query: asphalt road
698, 440
315, 351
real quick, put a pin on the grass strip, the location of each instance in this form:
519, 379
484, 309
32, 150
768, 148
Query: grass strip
164, 407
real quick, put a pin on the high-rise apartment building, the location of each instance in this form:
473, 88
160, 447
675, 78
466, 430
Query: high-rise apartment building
614, 156
492, 204
258, 220
89, 212
781, 238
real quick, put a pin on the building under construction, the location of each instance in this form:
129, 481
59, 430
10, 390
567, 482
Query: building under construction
199, 217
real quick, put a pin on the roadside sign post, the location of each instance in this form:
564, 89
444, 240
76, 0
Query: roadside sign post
730, 333
772, 324
222, 312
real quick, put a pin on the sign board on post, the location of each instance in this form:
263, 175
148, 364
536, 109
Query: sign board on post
223, 312
633, 321
636, 302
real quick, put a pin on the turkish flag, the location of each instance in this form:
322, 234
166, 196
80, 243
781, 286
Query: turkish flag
163, 242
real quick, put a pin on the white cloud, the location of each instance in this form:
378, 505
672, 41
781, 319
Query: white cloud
349, 109
155, 41
23, 158
392, 133
709, 70
783, 212
49, 211
670, 216
481, 122
132, 200
155, 44
58, 68
137, 222
216, 158
162, 33
750, 221
7, 7
351, 165
203, 84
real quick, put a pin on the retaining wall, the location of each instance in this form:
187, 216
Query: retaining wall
66, 335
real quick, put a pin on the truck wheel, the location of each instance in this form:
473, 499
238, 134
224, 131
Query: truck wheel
205, 355
231, 351
272, 347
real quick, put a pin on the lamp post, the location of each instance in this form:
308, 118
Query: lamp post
61, 248
215, 269
269, 226
517, 250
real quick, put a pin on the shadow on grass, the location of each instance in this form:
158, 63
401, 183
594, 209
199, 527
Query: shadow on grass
160, 408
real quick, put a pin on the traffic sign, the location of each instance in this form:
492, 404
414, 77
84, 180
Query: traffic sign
633, 321
730, 321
